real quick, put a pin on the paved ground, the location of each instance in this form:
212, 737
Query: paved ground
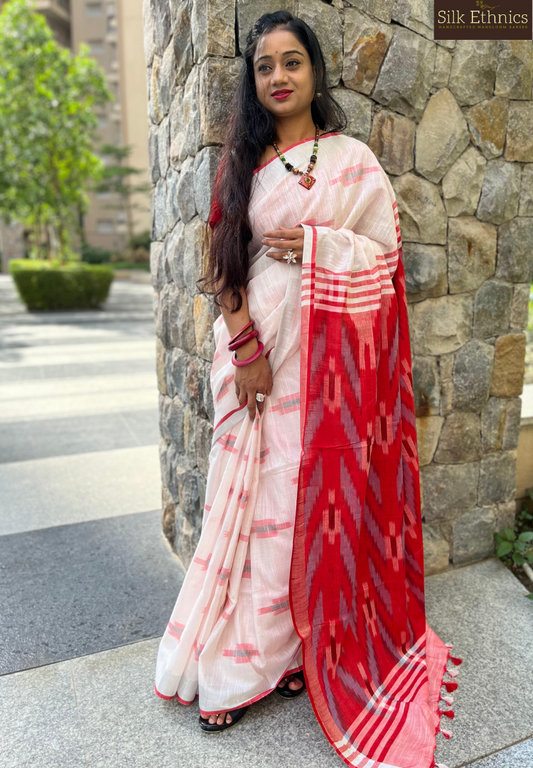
87, 580
84, 565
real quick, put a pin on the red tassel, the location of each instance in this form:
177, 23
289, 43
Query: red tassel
451, 686
455, 660
447, 734
452, 672
448, 712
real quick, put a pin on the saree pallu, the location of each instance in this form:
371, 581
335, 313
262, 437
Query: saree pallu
345, 490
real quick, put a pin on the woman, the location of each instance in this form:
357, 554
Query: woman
310, 556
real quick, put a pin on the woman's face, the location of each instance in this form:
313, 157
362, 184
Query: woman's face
282, 63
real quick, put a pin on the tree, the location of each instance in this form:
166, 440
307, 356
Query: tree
47, 129
115, 178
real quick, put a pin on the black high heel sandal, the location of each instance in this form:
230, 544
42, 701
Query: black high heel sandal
236, 715
288, 693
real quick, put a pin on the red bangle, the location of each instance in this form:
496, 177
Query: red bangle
250, 359
242, 329
243, 340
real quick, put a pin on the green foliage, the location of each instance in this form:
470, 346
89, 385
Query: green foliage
47, 128
50, 285
141, 240
92, 254
515, 545
142, 265
116, 178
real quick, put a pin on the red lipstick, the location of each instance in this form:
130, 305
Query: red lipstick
281, 94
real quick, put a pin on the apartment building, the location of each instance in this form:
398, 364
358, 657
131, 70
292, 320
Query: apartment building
57, 13
113, 30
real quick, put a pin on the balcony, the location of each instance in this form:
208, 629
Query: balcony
56, 11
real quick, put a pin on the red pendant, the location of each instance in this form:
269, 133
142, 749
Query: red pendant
307, 181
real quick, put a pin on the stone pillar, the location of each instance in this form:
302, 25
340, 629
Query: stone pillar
451, 122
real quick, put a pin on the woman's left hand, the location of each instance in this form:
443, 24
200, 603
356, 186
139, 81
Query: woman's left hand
292, 238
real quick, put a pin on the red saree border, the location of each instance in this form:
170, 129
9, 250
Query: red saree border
259, 696
205, 713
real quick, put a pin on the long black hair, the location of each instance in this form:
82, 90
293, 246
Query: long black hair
251, 128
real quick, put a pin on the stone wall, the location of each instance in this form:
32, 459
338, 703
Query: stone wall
452, 124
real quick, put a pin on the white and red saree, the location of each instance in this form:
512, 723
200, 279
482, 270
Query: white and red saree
311, 551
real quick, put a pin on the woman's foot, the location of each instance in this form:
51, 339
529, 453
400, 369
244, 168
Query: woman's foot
222, 720
219, 719
294, 683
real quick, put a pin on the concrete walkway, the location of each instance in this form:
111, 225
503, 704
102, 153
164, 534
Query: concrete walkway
85, 566
88, 582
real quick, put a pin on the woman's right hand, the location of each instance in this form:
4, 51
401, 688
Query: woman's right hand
252, 378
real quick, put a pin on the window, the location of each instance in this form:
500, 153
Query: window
105, 227
97, 46
93, 9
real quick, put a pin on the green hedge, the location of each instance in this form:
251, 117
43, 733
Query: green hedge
92, 254
50, 286
132, 265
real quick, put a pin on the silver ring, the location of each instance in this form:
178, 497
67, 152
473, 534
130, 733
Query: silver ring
289, 257
259, 397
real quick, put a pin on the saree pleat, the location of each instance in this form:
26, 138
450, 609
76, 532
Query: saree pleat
311, 550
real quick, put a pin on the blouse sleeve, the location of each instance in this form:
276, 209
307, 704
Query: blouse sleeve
216, 208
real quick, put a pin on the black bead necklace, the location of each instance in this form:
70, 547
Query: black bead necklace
307, 180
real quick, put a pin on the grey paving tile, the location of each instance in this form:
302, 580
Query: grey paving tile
45, 334
55, 354
10, 302
518, 756
51, 398
39, 720
61, 490
125, 724
483, 611
144, 423
480, 608
27, 440
15, 335
67, 387
75, 370
128, 314
78, 589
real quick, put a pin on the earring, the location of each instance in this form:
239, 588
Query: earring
317, 94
